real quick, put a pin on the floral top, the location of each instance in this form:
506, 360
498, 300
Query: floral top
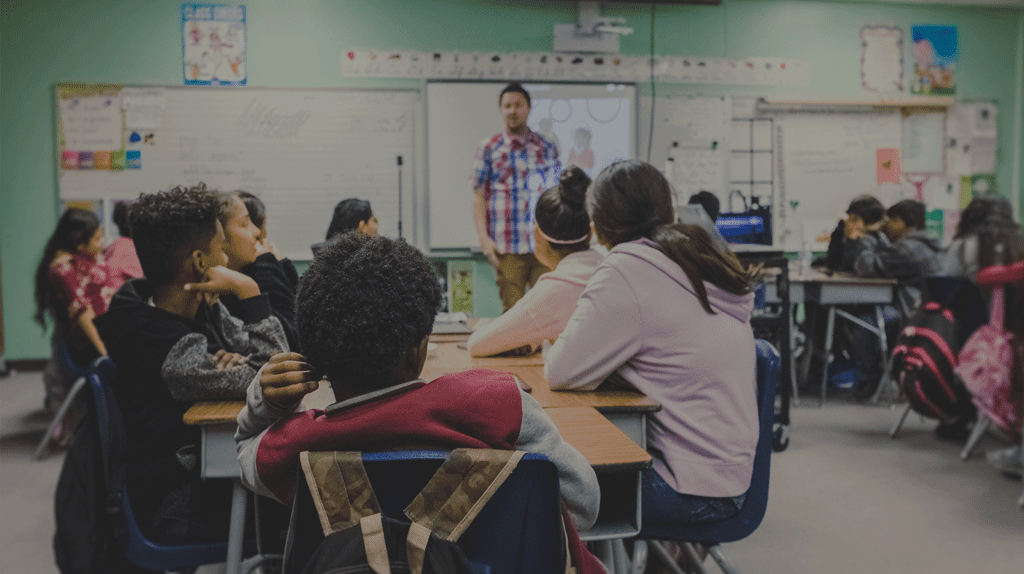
83, 282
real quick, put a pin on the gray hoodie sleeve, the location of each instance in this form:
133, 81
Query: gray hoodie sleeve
577, 480
253, 421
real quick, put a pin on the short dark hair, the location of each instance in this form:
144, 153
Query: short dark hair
257, 211
120, 217
348, 214
561, 211
910, 211
515, 87
709, 202
169, 225
361, 305
867, 208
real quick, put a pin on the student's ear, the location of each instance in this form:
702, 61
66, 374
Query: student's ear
199, 262
364, 227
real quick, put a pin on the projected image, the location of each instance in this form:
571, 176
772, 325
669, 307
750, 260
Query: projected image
590, 132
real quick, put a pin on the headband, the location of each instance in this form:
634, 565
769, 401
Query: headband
560, 241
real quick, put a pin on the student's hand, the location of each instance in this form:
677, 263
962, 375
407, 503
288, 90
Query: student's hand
287, 378
221, 280
491, 252
265, 246
854, 229
227, 360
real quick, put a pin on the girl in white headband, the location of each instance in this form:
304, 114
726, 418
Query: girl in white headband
562, 236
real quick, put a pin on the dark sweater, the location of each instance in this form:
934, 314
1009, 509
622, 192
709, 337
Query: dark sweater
276, 279
165, 363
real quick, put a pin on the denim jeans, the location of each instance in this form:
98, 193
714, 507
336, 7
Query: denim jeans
663, 505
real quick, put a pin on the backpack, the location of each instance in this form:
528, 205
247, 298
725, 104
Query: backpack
923, 362
986, 367
359, 539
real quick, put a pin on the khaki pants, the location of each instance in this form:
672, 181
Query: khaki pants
517, 271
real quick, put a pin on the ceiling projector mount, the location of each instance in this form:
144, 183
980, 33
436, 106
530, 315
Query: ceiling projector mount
592, 32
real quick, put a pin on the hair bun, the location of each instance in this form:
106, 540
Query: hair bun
572, 186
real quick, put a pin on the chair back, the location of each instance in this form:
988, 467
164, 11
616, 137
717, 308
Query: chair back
518, 531
756, 503
138, 549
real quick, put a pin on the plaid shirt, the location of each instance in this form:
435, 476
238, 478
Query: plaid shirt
513, 172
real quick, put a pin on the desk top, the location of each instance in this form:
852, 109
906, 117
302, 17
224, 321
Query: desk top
836, 277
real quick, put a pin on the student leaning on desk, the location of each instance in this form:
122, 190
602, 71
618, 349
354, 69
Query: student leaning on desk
365, 309
669, 314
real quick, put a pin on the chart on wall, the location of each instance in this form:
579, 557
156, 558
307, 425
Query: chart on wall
301, 151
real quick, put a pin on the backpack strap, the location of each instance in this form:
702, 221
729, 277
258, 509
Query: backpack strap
340, 488
454, 496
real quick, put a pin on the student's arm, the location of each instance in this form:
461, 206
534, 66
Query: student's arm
272, 278
193, 374
89, 328
528, 322
603, 333
253, 331
897, 261
577, 481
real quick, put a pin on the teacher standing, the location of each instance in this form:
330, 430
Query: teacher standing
510, 170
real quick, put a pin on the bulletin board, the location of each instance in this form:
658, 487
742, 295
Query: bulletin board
300, 150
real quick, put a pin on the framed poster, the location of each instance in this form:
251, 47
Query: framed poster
213, 44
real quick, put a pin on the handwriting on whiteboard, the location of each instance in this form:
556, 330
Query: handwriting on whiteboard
260, 120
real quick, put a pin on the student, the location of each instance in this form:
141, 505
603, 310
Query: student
862, 224
171, 349
667, 313
366, 307
562, 237
250, 252
72, 286
350, 214
120, 254
709, 202
258, 216
985, 235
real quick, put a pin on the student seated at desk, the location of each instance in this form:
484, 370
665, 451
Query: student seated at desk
668, 314
985, 235
249, 251
859, 230
562, 235
366, 307
350, 214
171, 349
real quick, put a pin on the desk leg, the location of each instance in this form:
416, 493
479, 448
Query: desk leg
236, 533
828, 352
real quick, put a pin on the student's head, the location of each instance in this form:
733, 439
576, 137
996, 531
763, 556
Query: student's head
241, 235
78, 231
177, 234
632, 200
903, 217
257, 211
514, 102
709, 202
120, 217
352, 215
364, 311
563, 226
865, 211
988, 206
989, 217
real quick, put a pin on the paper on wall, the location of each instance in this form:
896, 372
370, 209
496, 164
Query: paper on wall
983, 154
881, 58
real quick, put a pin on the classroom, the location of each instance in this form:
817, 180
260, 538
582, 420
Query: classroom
785, 110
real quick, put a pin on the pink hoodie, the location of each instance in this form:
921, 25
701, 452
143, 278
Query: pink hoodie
640, 321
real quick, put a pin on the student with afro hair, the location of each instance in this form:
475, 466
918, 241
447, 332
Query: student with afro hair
365, 309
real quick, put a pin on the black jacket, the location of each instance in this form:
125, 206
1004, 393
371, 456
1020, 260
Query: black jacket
277, 279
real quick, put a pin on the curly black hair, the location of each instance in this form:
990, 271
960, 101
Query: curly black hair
169, 225
361, 305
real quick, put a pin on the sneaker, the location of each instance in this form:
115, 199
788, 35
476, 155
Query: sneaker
1007, 461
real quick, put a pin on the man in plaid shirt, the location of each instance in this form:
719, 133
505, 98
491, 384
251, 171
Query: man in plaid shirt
509, 172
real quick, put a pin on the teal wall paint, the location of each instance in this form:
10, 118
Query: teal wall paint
299, 43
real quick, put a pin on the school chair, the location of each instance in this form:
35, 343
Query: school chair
518, 531
712, 534
137, 548
67, 365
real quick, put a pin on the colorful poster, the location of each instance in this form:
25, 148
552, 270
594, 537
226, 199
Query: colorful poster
888, 165
936, 54
213, 44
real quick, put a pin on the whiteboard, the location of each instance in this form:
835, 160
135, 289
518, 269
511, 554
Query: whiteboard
300, 150
825, 160
460, 115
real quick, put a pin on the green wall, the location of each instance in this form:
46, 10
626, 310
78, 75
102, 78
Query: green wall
298, 43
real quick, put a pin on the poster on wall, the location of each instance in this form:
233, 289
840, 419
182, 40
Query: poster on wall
936, 53
90, 127
213, 44
881, 58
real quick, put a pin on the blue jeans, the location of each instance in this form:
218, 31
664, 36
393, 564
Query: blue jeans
663, 505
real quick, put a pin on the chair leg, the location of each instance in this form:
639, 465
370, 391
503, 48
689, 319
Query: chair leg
658, 550
828, 352
691, 555
886, 381
236, 534
719, 555
895, 431
639, 558
64, 407
979, 430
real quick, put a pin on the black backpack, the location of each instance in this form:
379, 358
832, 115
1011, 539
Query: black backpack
923, 361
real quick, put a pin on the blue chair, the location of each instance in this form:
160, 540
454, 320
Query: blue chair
712, 534
138, 549
66, 365
518, 531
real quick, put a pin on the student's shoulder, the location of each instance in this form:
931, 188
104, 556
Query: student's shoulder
475, 385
